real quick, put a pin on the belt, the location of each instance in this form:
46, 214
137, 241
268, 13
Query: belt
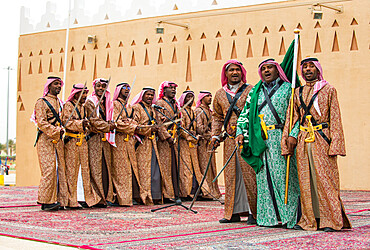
277, 126
78, 136
315, 128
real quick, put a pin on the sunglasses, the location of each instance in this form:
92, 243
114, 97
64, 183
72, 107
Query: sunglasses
126, 87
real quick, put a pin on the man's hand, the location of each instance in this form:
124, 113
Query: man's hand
239, 139
170, 140
291, 144
155, 129
61, 133
85, 125
215, 143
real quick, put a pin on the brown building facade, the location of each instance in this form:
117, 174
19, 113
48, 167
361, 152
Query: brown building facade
194, 56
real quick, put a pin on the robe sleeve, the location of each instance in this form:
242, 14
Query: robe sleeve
124, 124
139, 119
337, 146
162, 132
185, 124
96, 122
202, 124
74, 124
43, 124
217, 117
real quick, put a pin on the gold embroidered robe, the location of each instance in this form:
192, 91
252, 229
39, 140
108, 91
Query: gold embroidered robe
204, 127
189, 164
220, 107
99, 148
123, 156
144, 157
331, 209
77, 156
49, 154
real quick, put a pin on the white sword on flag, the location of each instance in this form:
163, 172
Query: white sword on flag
295, 58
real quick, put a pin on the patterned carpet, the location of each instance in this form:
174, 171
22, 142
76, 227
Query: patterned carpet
172, 228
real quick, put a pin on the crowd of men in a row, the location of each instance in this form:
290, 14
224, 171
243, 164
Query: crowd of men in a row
157, 149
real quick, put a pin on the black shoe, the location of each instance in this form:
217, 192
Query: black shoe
49, 207
234, 218
251, 220
113, 204
329, 230
178, 201
134, 202
83, 204
297, 227
167, 200
100, 205
73, 208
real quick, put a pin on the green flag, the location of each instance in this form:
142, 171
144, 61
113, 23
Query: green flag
254, 145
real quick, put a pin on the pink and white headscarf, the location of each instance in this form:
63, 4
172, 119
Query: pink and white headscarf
108, 107
224, 79
319, 84
163, 85
76, 89
280, 70
45, 92
201, 95
117, 91
139, 97
183, 96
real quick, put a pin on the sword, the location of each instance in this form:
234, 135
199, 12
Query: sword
227, 162
75, 107
203, 179
101, 98
128, 96
160, 125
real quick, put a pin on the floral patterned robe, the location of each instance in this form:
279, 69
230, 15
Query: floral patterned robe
77, 156
220, 107
331, 209
53, 185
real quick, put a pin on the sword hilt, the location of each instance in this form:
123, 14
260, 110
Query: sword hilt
263, 125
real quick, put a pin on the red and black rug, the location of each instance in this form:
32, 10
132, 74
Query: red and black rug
176, 228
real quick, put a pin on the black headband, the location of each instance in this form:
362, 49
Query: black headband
74, 86
309, 59
240, 66
103, 81
54, 77
205, 92
270, 59
148, 88
122, 83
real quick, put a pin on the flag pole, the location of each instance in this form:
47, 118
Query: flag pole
66, 51
295, 58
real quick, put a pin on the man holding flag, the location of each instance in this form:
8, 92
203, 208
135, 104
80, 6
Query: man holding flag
260, 128
318, 135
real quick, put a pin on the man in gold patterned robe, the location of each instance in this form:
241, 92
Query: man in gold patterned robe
320, 140
204, 130
124, 164
190, 174
53, 191
240, 178
75, 147
99, 140
154, 180
167, 145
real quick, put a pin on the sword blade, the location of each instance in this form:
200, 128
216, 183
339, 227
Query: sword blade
75, 107
227, 162
101, 98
